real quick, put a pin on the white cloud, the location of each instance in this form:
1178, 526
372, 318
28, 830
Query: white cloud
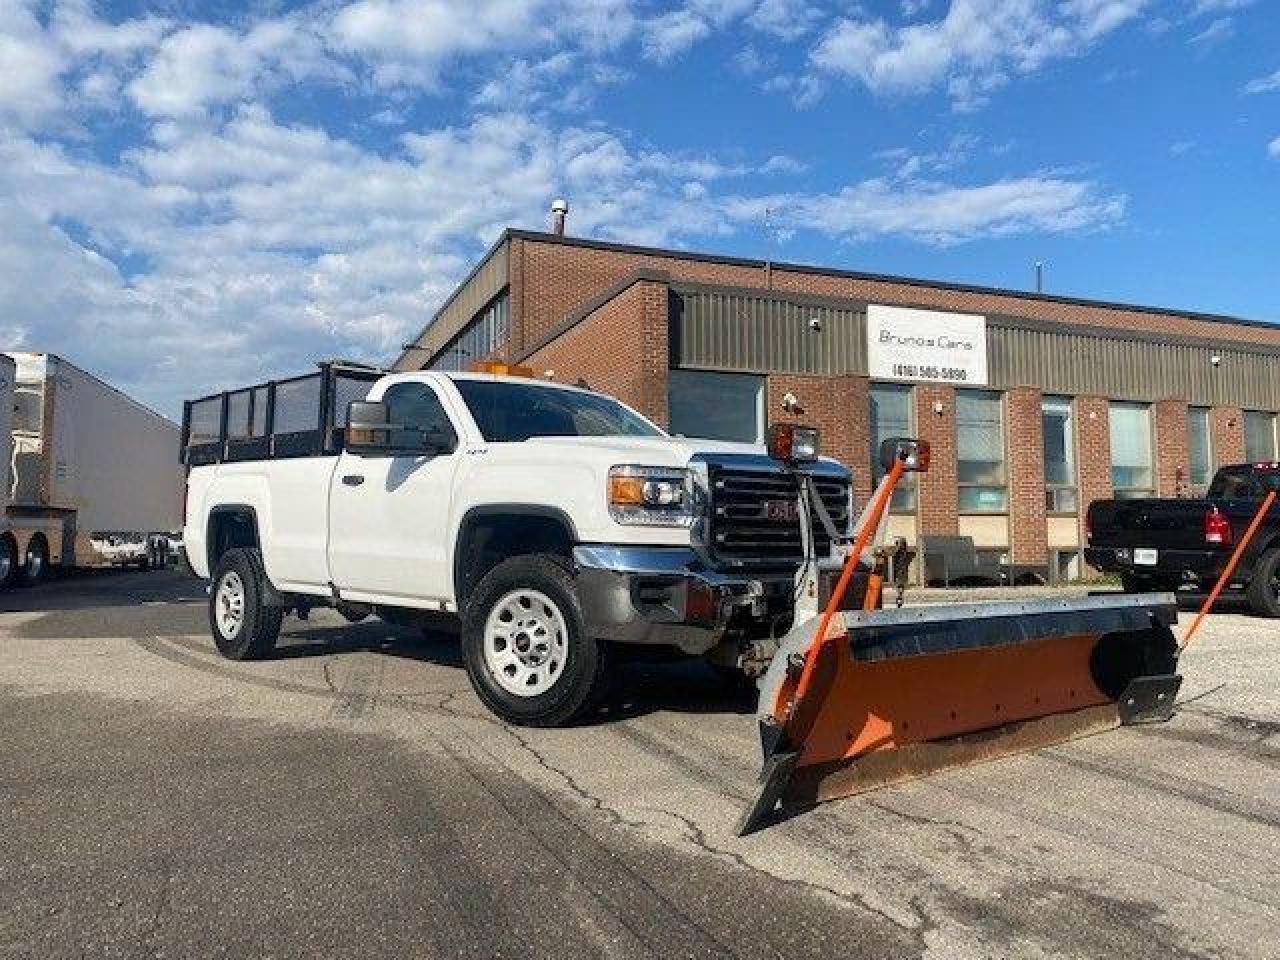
785, 19
972, 50
1182, 147
31, 66
66, 49
671, 34
203, 65
945, 214
268, 242
1273, 148
1203, 7
410, 41
1217, 31
1268, 84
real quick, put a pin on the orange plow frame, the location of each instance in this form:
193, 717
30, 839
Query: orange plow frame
875, 697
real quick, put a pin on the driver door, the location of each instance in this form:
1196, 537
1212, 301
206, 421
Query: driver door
389, 512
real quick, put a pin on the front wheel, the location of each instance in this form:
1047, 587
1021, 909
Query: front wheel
35, 566
527, 652
1263, 592
243, 627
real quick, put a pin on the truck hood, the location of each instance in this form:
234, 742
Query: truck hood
655, 451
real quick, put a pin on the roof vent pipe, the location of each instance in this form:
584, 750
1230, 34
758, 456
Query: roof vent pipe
559, 210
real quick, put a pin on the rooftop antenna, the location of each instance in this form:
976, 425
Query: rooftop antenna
1039, 276
770, 240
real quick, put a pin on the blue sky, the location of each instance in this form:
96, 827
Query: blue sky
194, 195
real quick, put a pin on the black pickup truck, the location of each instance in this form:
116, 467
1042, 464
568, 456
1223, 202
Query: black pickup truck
1157, 545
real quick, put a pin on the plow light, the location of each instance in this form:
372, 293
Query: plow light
793, 444
914, 454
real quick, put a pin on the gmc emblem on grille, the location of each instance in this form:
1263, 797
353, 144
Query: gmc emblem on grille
781, 511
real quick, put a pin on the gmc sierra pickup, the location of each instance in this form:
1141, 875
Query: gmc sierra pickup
1157, 545
552, 522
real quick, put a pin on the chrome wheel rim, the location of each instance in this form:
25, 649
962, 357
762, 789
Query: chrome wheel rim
526, 643
228, 605
35, 563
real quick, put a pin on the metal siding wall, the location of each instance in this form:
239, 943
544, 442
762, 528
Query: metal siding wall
734, 331
1071, 364
489, 279
725, 330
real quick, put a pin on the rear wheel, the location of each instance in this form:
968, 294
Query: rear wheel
1263, 592
243, 627
35, 565
527, 652
8, 560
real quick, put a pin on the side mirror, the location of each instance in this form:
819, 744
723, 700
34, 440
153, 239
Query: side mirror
914, 454
368, 430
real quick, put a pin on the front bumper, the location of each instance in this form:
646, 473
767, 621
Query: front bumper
667, 596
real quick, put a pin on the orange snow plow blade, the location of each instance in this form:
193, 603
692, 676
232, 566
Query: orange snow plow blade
856, 699
899, 694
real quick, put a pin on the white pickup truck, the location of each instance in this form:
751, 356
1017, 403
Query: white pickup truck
552, 522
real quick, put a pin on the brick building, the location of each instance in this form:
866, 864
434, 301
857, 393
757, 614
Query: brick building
1035, 405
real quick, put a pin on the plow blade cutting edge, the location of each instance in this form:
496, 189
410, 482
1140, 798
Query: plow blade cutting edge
892, 695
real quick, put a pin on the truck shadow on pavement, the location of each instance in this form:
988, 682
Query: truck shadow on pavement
87, 588
639, 688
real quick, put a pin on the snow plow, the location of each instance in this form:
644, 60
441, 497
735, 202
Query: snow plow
858, 697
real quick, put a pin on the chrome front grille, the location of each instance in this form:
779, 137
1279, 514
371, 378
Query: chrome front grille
754, 521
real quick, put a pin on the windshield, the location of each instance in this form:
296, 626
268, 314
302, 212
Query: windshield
511, 412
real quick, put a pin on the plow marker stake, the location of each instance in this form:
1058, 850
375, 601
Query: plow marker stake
1231, 568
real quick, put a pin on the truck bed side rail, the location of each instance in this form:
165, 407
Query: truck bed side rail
299, 416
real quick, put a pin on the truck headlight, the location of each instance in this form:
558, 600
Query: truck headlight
650, 496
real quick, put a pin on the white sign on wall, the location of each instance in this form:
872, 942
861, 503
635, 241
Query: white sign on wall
929, 345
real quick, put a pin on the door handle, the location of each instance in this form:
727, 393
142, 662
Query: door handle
352, 479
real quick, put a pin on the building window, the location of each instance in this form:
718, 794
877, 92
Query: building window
717, 406
1132, 472
980, 466
892, 416
484, 335
1059, 455
1200, 448
1259, 437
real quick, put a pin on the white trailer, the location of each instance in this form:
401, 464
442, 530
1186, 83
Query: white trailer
94, 476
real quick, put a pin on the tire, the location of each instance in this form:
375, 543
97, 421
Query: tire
560, 672
252, 634
8, 560
1263, 592
144, 564
35, 566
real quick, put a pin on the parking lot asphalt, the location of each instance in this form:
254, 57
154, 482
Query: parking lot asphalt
351, 797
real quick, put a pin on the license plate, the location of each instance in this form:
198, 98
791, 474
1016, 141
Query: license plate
1146, 558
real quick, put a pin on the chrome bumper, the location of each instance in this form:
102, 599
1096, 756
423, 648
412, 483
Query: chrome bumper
667, 596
